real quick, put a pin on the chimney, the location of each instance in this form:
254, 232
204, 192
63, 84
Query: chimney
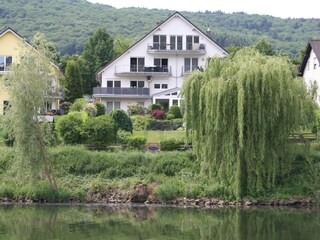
208, 32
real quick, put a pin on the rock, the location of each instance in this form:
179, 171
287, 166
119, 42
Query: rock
141, 193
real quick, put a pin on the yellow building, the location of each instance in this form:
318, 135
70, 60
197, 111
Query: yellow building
11, 44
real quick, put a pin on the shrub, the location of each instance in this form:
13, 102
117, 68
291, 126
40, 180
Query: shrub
164, 125
100, 130
139, 122
122, 136
90, 109
169, 190
136, 142
136, 109
170, 144
170, 116
78, 105
175, 110
122, 120
158, 114
152, 107
101, 109
71, 127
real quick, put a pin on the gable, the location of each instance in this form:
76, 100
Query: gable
176, 24
11, 45
313, 45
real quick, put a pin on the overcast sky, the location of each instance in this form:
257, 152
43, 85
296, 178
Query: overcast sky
277, 8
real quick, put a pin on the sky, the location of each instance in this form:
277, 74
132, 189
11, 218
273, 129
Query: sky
276, 8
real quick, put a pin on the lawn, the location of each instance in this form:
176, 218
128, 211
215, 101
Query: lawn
158, 136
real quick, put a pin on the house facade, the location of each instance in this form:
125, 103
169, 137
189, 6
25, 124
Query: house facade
11, 46
154, 68
310, 68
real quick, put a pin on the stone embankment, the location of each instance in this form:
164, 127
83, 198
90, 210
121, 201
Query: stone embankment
144, 194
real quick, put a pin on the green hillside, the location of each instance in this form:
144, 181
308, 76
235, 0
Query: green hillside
69, 23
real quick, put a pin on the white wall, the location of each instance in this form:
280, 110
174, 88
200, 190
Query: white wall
311, 73
174, 26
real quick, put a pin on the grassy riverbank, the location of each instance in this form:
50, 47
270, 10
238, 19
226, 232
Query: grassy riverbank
89, 176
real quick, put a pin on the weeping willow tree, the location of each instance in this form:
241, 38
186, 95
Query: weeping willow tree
29, 84
240, 111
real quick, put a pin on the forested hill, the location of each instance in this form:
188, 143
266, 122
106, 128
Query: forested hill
69, 23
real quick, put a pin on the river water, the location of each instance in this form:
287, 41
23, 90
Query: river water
139, 222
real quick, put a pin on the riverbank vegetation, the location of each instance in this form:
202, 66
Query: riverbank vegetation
92, 176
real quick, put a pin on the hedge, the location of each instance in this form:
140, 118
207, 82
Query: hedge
164, 125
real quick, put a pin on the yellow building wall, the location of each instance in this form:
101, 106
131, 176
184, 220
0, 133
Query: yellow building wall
10, 45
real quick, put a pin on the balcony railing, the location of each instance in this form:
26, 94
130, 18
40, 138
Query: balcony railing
197, 48
188, 69
142, 70
121, 91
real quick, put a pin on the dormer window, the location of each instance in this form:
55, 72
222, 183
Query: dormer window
5, 62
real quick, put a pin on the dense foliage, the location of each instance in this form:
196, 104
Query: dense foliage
69, 23
73, 81
98, 52
241, 110
122, 120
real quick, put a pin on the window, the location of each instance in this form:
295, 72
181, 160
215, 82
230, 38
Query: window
192, 42
5, 61
175, 42
315, 63
112, 106
174, 102
137, 84
136, 64
111, 84
160, 86
161, 64
160, 42
140, 103
190, 64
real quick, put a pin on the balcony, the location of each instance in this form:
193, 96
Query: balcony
188, 69
180, 48
133, 70
121, 92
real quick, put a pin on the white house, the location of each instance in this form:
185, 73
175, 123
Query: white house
154, 68
310, 68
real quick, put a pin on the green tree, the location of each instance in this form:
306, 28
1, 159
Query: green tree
98, 52
73, 80
29, 81
241, 110
265, 47
39, 41
122, 120
121, 44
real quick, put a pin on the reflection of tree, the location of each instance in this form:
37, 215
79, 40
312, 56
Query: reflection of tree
130, 222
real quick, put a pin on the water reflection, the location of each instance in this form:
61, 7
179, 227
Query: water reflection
134, 222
